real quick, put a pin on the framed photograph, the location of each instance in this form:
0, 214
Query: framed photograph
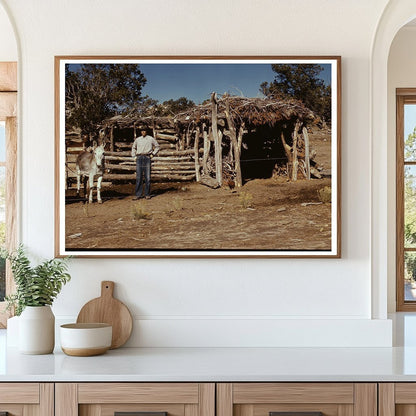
198, 156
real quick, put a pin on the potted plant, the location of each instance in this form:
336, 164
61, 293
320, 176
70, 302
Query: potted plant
36, 289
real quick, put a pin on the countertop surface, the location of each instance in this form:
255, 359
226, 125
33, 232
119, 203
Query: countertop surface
221, 364
212, 364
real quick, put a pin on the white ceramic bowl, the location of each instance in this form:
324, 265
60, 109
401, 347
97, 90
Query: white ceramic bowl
83, 340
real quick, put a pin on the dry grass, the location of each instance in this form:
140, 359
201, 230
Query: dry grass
139, 212
325, 194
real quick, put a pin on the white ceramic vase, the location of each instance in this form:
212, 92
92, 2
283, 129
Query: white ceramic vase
37, 330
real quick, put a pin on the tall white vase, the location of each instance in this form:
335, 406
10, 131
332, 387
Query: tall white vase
36, 330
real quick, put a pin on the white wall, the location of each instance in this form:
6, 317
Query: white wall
401, 74
329, 301
8, 46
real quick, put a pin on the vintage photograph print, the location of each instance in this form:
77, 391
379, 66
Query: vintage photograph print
198, 156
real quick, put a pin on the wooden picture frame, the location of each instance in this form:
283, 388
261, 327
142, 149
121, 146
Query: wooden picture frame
249, 163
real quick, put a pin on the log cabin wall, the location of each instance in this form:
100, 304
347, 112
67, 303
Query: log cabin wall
230, 139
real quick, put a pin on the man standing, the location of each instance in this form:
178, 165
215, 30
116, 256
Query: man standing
144, 148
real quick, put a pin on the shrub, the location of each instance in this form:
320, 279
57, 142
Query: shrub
325, 194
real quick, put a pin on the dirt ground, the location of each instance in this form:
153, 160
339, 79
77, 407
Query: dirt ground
265, 214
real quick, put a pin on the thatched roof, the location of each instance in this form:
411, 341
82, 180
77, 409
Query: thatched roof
251, 111
129, 120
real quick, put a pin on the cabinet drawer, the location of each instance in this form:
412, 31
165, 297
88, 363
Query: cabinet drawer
152, 399
19, 393
27, 399
138, 393
397, 399
270, 399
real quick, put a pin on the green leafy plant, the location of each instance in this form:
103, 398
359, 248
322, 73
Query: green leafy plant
35, 286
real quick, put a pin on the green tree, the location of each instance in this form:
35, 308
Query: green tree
410, 208
410, 204
172, 107
94, 92
300, 81
410, 146
410, 191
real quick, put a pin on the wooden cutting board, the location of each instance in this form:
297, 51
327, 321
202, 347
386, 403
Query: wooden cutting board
108, 310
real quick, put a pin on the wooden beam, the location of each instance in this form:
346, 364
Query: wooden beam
112, 139
234, 143
168, 137
307, 161
11, 192
161, 153
8, 76
217, 140
155, 177
8, 105
295, 163
207, 145
196, 155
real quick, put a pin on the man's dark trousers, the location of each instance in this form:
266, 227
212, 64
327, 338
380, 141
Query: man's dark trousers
142, 168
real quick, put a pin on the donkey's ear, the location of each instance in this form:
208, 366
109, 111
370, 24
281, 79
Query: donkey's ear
94, 144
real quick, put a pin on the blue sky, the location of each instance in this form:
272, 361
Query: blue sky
196, 81
409, 119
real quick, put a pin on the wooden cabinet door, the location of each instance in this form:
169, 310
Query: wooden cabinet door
27, 399
397, 399
297, 399
142, 399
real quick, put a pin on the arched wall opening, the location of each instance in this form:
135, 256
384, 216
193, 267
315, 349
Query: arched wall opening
8, 148
397, 14
401, 73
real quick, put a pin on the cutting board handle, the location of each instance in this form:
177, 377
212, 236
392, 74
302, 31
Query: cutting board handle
107, 288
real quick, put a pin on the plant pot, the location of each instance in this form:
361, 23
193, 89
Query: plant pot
12, 334
36, 330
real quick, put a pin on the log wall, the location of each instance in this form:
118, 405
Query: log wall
170, 164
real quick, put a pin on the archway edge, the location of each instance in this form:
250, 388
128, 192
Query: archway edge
396, 14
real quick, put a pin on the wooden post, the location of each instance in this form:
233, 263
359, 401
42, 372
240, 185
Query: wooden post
307, 161
135, 132
11, 199
288, 151
207, 145
295, 163
236, 144
189, 135
181, 141
217, 139
239, 177
154, 128
196, 156
112, 139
